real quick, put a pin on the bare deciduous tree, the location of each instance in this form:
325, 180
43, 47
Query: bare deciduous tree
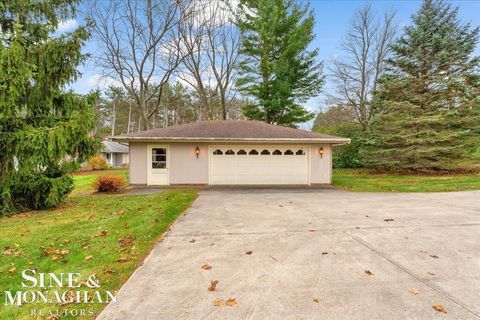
366, 45
210, 42
139, 45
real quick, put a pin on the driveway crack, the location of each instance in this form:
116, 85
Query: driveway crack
404, 269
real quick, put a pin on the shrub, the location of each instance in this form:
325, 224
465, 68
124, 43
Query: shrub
98, 163
41, 190
109, 183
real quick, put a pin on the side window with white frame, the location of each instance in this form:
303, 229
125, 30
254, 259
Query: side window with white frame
159, 158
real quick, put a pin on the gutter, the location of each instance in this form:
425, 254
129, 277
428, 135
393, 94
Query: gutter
333, 141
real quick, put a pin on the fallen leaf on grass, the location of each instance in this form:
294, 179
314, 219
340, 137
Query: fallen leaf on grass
122, 259
16, 245
439, 308
213, 285
126, 241
434, 256
230, 302
49, 251
388, 220
316, 300
7, 250
54, 257
12, 270
249, 252
218, 303
370, 273
413, 291
206, 267
102, 233
88, 258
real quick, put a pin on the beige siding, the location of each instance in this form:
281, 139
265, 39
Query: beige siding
137, 167
185, 167
321, 168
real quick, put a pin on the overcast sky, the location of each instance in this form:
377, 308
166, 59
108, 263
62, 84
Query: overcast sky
332, 21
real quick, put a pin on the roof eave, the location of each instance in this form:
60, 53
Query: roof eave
333, 140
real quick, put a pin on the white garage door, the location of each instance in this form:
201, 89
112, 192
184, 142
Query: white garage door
250, 165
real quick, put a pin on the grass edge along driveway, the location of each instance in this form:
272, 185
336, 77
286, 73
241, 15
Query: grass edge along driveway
362, 180
106, 235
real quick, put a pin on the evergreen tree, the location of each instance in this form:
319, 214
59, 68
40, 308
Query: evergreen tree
277, 70
44, 130
428, 102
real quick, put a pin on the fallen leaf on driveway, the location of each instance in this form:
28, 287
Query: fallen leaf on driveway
431, 273
249, 252
218, 303
213, 285
439, 308
324, 252
370, 273
413, 291
230, 302
434, 256
316, 300
206, 267
388, 220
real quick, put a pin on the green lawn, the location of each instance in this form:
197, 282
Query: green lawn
106, 235
83, 181
361, 180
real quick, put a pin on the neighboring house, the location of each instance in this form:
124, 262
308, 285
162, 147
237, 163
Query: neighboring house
227, 152
115, 153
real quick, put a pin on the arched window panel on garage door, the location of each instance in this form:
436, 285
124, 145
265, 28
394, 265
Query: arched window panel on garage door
265, 152
300, 152
288, 152
218, 152
229, 152
277, 152
241, 152
253, 152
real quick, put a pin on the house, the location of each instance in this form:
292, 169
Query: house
227, 152
116, 154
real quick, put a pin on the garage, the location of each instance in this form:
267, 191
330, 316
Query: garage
229, 152
261, 164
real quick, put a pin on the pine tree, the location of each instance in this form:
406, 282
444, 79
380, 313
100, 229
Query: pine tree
428, 103
277, 70
45, 131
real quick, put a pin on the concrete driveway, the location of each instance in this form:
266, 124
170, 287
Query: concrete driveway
310, 250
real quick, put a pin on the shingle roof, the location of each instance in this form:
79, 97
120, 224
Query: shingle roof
114, 147
228, 130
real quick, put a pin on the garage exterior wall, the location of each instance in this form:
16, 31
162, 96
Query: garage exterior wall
137, 164
321, 166
185, 168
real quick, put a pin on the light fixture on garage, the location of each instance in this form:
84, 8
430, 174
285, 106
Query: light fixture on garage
197, 151
321, 152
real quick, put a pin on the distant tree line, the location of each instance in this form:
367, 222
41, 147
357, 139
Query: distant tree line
409, 103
